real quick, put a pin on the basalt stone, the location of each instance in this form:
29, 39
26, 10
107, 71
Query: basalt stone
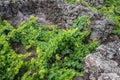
103, 64
96, 3
56, 12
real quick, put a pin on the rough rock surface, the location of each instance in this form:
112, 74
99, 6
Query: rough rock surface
55, 12
96, 3
104, 64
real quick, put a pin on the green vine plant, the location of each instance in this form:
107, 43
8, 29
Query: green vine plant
71, 1
111, 9
60, 53
75, 1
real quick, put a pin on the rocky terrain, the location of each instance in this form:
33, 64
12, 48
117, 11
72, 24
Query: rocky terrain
101, 65
48, 12
104, 63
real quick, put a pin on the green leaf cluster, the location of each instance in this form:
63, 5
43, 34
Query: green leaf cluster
73, 1
111, 9
60, 53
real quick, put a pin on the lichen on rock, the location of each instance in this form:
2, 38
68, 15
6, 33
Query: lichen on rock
96, 3
55, 12
104, 63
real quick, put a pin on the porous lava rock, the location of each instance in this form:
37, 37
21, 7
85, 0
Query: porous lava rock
104, 64
56, 12
47, 11
96, 3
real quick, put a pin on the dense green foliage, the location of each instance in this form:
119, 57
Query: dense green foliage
111, 9
60, 53
72, 1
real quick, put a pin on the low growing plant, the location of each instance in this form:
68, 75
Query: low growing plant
111, 9
60, 53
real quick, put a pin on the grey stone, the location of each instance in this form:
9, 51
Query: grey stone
109, 76
103, 64
96, 3
56, 12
